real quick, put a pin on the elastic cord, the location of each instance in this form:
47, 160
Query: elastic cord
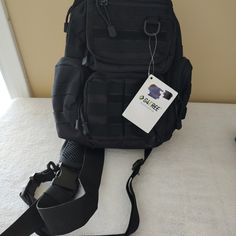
151, 67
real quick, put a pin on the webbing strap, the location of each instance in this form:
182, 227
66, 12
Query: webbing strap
60, 217
26, 224
134, 215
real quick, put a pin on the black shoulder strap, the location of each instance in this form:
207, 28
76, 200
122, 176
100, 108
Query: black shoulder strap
57, 211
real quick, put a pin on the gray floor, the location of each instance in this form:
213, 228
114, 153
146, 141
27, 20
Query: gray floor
186, 188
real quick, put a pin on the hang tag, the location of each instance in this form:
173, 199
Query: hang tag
150, 103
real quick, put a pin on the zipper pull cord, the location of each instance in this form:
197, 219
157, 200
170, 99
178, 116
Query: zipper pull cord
110, 27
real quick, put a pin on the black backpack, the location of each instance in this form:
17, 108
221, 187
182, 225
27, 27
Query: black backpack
111, 47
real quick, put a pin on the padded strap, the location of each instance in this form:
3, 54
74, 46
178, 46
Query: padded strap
73, 214
58, 213
57, 210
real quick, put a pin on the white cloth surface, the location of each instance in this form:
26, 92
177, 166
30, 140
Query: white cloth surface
186, 188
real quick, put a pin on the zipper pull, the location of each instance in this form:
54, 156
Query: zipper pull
111, 31
84, 123
85, 128
77, 124
106, 17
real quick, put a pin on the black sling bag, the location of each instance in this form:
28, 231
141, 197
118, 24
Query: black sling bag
111, 47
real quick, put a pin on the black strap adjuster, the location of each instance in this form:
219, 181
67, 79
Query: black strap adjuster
66, 178
137, 165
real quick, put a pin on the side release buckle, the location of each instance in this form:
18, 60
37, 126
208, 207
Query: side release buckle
27, 195
66, 178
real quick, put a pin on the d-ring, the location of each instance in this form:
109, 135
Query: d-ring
158, 23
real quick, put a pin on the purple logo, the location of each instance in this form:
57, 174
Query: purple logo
156, 92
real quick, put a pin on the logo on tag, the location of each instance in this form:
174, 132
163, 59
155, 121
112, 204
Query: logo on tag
156, 92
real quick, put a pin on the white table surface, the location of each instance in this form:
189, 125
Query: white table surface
186, 188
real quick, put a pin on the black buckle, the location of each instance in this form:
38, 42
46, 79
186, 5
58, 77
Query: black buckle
154, 23
66, 178
27, 195
137, 165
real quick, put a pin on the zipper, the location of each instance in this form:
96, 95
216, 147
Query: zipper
140, 2
84, 122
130, 35
102, 7
178, 100
83, 112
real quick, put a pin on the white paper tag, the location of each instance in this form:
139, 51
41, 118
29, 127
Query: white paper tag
150, 103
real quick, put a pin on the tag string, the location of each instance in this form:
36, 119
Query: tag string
152, 34
151, 67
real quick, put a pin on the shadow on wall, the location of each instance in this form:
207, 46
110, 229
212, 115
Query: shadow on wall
5, 99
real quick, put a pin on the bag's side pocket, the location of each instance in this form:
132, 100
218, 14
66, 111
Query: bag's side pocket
182, 76
67, 94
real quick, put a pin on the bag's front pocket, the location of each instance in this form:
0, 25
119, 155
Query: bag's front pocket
67, 93
181, 82
128, 46
106, 95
